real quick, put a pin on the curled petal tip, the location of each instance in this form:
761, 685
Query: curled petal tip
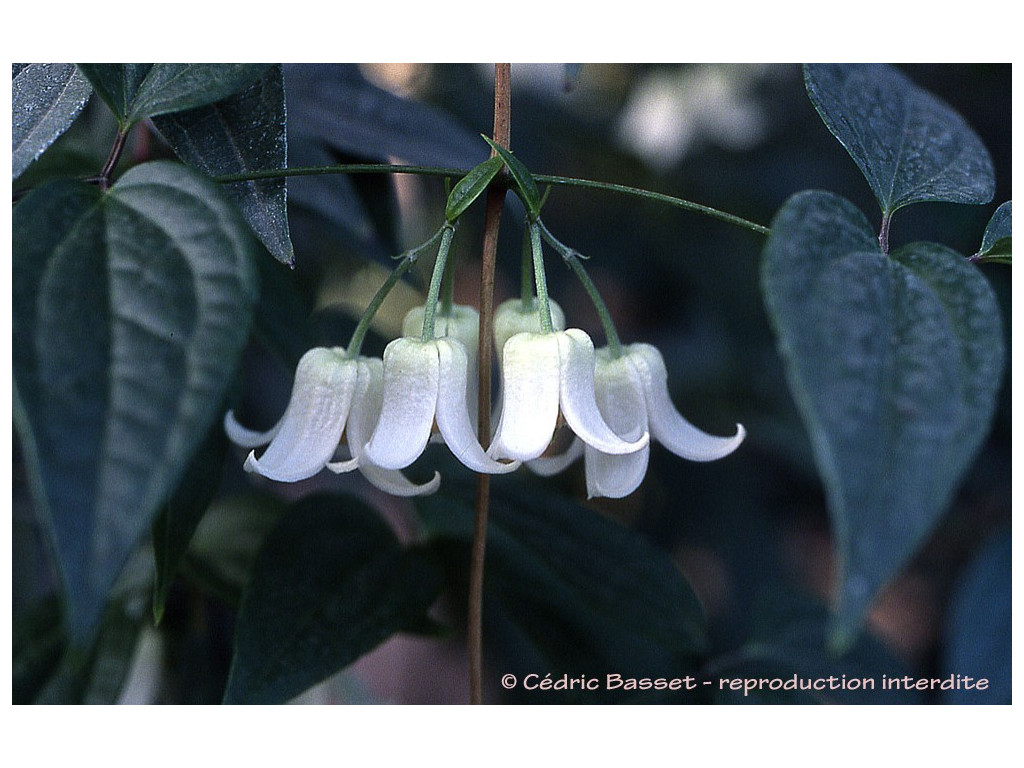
251, 465
397, 484
247, 438
545, 466
280, 473
340, 467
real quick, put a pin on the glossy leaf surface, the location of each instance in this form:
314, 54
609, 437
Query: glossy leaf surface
46, 100
243, 133
130, 311
910, 146
894, 364
137, 91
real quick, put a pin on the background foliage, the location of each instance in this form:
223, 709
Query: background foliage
708, 569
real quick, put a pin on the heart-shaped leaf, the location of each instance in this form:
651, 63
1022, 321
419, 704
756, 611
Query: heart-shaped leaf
243, 133
330, 584
130, 310
894, 364
910, 146
46, 100
138, 91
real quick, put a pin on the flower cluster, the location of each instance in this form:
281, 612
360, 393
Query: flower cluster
380, 414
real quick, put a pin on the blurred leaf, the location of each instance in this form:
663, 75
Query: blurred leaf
337, 107
112, 659
470, 187
38, 643
789, 644
138, 91
571, 76
177, 521
283, 315
47, 670
579, 592
526, 187
331, 583
332, 196
243, 133
979, 626
46, 100
910, 146
226, 541
894, 364
997, 243
130, 311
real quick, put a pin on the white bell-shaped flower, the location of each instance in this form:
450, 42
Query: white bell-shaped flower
461, 323
632, 395
425, 382
511, 317
332, 393
542, 375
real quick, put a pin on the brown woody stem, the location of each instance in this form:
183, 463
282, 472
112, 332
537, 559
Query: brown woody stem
492, 223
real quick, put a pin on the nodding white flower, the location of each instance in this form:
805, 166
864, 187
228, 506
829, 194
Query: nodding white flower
425, 383
544, 374
512, 317
632, 394
461, 323
333, 395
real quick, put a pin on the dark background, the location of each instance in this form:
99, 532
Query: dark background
750, 532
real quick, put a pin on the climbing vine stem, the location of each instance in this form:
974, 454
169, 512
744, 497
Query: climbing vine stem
489, 252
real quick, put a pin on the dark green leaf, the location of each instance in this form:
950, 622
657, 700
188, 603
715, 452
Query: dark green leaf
910, 146
331, 196
789, 644
38, 642
979, 626
177, 521
526, 187
243, 133
470, 187
997, 258
225, 544
47, 670
894, 364
283, 316
331, 583
112, 659
997, 243
579, 592
46, 100
130, 312
116, 84
333, 105
138, 91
